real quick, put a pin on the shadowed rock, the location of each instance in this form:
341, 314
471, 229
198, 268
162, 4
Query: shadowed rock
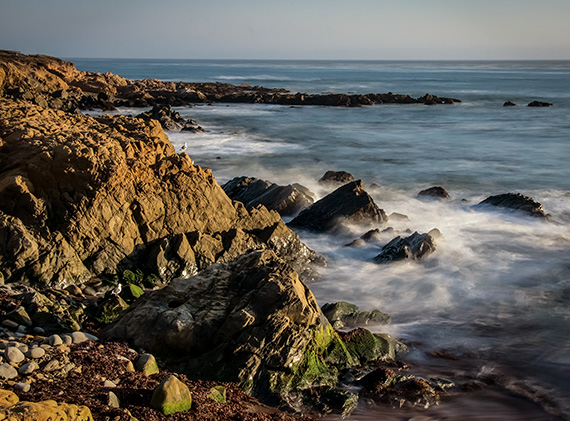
287, 200
336, 177
349, 203
343, 314
539, 104
514, 201
509, 104
170, 119
434, 193
415, 247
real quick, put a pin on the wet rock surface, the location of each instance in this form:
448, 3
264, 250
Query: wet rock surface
349, 203
514, 201
415, 247
287, 200
436, 192
342, 314
336, 178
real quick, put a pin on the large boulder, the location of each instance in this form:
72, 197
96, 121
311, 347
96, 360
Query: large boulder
513, 201
415, 247
287, 200
83, 197
251, 321
435, 192
349, 203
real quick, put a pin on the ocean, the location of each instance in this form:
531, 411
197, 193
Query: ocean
495, 296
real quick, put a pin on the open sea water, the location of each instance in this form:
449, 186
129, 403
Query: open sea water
496, 294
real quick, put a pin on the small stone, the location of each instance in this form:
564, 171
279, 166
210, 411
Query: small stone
146, 364
7, 371
23, 348
79, 337
67, 340
35, 353
22, 387
109, 383
113, 400
28, 368
10, 324
130, 368
20, 316
8, 398
21, 329
54, 340
171, 396
52, 365
218, 393
13, 355
39, 330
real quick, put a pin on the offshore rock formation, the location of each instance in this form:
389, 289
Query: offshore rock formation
415, 247
82, 197
349, 203
287, 200
170, 119
54, 83
514, 201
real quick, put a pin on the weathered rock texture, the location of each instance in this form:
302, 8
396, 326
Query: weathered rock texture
336, 177
251, 321
514, 201
170, 119
287, 200
415, 247
51, 82
349, 203
81, 197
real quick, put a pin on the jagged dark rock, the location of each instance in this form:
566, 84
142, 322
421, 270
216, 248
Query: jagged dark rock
287, 200
509, 104
514, 201
436, 192
170, 119
349, 203
415, 247
336, 177
540, 104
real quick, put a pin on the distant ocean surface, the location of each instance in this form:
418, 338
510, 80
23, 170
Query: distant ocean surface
496, 293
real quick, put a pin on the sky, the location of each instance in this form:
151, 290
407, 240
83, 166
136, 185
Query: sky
289, 29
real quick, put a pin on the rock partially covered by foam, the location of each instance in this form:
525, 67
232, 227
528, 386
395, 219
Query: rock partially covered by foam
514, 201
349, 203
415, 247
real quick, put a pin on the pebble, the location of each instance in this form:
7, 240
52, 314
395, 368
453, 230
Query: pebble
54, 340
109, 383
28, 368
10, 324
22, 387
13, 355
35, 353
39, 330
7, 371
67, 340
113, 400
79, 337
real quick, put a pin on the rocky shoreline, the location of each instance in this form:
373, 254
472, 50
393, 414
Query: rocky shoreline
106, 230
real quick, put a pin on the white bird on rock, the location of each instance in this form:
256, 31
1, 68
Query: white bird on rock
117, 290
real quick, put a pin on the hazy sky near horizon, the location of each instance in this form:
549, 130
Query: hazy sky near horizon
290, 29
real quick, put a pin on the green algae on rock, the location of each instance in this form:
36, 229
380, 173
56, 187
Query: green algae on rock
171, 396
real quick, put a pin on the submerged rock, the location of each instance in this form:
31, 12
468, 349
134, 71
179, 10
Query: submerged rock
516, 202
415, 247
434, 193
349, 203
343, 314
336, 177
287, 200
509, 104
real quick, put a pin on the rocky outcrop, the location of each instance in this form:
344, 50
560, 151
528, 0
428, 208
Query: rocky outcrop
336, 178
83, 197
170, 119
54, 83
436, 192
415, 247
514, 201
251, 321
539, 104
11, 408
287, 200
509, 104
349, 203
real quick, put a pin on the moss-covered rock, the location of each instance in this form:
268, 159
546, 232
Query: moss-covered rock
366, 346
342, 314
111, 308
171, 396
